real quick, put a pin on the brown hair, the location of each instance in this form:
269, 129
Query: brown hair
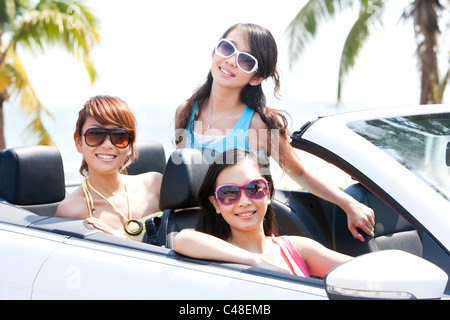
108, 110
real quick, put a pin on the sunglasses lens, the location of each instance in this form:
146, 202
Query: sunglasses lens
256, 189
120, 138
225, 49
228, 194
246, 62
95, 137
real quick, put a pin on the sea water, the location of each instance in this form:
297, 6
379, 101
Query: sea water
153, 123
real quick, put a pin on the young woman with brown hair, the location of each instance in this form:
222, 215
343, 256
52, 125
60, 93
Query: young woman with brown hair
111, 200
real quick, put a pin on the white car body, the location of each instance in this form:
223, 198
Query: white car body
387, 173
54, 258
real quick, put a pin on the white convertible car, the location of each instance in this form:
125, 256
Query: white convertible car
399, 158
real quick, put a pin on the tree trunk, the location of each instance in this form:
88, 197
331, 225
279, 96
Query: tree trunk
2, 99
2, 127
427, 31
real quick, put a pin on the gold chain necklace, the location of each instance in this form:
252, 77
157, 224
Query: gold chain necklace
131, 226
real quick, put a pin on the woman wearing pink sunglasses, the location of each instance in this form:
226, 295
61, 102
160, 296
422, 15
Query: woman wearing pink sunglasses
236, 222
229, 111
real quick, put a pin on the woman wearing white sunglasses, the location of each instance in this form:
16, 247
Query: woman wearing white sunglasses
229, 111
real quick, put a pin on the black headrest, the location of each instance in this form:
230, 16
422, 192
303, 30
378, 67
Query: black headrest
182, 179
31, 175
151, 157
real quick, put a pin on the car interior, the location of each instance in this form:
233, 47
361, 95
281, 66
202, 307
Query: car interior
32, 178
391, 230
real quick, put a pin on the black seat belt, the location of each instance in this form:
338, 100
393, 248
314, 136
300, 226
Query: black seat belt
151, 226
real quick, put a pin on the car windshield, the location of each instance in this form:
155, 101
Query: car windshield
420, 143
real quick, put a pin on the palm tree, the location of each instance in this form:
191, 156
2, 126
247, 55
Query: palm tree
425, 14
35, 26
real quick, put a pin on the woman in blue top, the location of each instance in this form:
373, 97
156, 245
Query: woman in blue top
229, 111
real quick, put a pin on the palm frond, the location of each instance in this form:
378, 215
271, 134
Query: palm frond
14, 81
9, 10
35, 26
355, 40
37, 130
68, 23
304, 26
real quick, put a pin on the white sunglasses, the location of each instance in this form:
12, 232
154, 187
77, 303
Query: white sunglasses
245, 61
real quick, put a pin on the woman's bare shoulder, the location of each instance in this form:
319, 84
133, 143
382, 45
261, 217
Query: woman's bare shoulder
257, 123
182, 107
151, 181
73, 206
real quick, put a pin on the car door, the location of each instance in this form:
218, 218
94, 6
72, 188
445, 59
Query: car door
23, 253
82, 269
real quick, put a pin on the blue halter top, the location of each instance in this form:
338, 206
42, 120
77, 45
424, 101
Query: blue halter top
235, 138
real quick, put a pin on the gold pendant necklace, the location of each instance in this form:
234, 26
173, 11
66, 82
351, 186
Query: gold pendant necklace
131, 226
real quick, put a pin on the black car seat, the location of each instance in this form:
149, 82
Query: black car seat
151, 157
32, 178
301, 213
183, 176
392, 231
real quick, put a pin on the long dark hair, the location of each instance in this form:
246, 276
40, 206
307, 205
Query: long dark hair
264, 48
212, 223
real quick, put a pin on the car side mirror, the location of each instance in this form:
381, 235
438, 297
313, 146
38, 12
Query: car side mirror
388, 274
447, 155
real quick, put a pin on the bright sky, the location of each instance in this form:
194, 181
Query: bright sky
157, 52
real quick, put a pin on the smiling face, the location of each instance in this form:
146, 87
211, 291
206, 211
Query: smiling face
106, 112
225, 70
105, 157
246, 214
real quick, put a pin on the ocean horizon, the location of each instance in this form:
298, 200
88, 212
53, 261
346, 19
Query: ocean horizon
153, 123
